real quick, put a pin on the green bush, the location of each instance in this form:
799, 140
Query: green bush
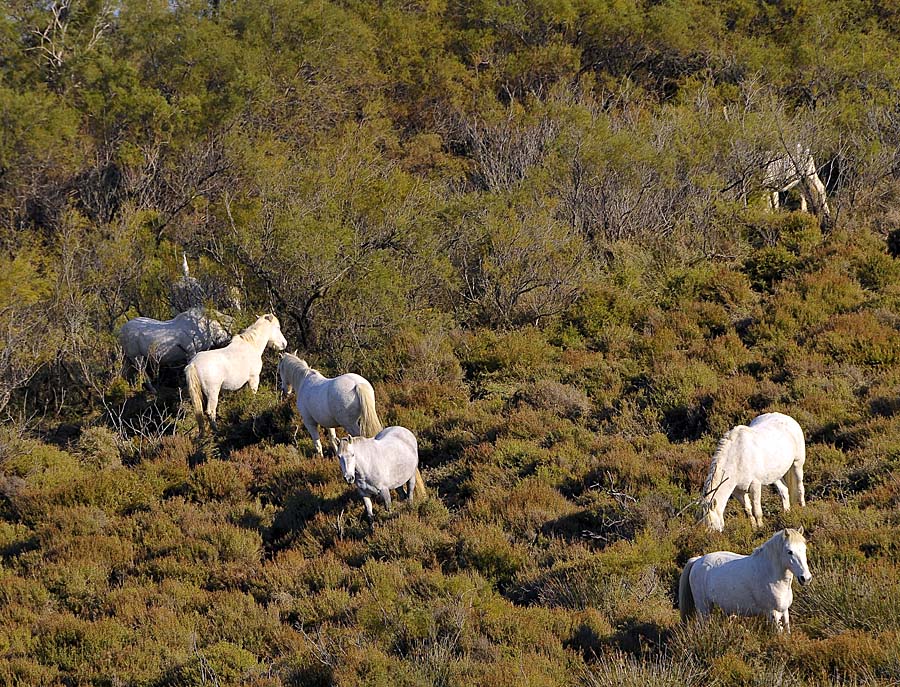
99, 447
219, 480
221, 663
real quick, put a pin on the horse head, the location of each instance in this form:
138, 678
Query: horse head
347, 459
284, 383
710, 516
794, 554
276, 338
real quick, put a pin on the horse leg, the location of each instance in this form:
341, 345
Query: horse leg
410, 488
786, 620
212, 403
253, 381
313, 430
756, 496
386, 497
367, 500
776, 618
332, 436
783, 493
801, 491
745, 500
773, 200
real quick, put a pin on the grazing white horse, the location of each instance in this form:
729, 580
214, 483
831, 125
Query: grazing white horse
174, 341
796, 168
769, 449
346, 401
375, 466
758, 584
239, 363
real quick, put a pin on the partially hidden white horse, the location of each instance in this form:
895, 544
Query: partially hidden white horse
172, 342
758, 584
375, 466
346, 401
770, 449
796, 168
239, 363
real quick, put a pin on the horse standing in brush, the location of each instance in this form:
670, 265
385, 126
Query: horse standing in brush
172, 342
796, 168
771, 448
346, 401
239, 363
375, 466
758, 584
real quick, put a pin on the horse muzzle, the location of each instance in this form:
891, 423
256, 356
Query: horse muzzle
804, 579
350, 478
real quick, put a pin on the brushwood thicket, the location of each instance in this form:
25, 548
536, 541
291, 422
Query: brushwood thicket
539, 227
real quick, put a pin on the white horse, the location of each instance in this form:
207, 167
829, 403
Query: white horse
171, 342
346, 401
239, 363
375, 466
796, 168
770, 449
758, 584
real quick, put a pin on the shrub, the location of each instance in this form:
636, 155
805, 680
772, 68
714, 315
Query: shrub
560, 399
99, 448
845, 598
221, 663
219, 480
520, 355
860, 338
768, 266
178, 448
487, 549
625, 670
25, 672
406, 536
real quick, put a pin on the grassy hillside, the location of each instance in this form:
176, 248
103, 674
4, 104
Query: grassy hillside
541, 230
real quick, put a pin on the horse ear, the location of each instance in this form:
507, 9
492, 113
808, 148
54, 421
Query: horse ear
800, 529
349, 439
295, 351
270, 317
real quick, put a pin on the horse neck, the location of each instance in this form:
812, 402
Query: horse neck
360, 457
770, 553
717, 486
298, 373
256, 335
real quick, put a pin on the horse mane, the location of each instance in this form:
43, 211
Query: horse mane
294, 366
254, 332
786, 534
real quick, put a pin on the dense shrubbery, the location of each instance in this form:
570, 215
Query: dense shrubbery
540, 230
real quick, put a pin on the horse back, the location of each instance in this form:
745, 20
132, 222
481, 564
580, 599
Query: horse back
398, 435
141, 336
781, 434
342, 398
390, 458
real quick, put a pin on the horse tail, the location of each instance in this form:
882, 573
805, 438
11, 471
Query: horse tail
792, 485
369, 424
685, 594
420, 485
195, 389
